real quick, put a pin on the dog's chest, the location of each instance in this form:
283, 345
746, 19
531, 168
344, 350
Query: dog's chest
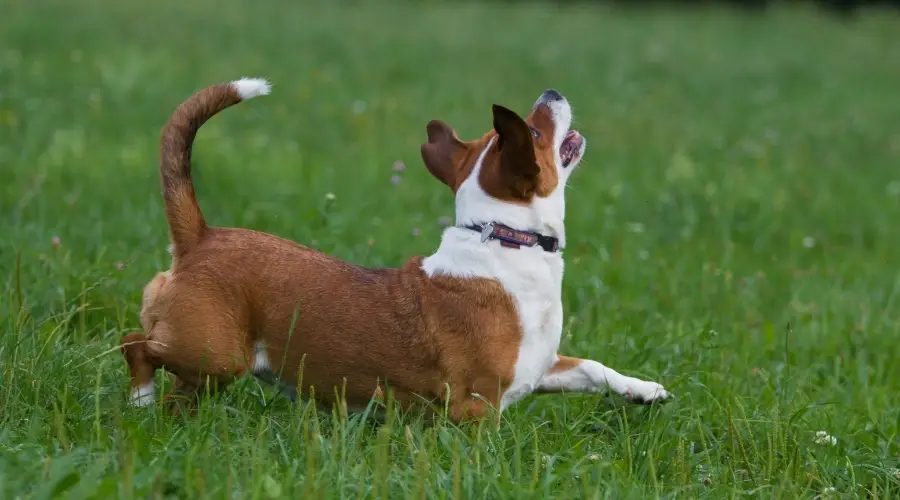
533, 278
539, 306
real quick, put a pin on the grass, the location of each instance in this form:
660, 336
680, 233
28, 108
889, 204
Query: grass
732, 234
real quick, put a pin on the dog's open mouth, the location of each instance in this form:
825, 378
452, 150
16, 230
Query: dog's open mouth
570, 148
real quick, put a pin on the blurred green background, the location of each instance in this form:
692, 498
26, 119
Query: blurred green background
731, 234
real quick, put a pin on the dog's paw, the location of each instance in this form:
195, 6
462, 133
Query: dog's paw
645, 392
142, 395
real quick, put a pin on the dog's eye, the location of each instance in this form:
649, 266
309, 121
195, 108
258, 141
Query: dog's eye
535, 133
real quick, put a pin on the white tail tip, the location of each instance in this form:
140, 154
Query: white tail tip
248, 88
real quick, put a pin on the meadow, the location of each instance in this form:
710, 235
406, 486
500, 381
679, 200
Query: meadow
732, 234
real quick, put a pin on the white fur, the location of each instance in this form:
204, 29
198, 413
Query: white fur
143, 395
248, 88
530, 275
262, 369
591, 376
260, 359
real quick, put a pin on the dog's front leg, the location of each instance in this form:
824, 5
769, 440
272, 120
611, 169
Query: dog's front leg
585, 375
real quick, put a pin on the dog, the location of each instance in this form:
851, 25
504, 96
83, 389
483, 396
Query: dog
472, 328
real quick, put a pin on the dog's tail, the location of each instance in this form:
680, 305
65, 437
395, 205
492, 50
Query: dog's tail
186, 223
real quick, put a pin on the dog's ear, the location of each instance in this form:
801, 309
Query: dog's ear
441, 153
518, 168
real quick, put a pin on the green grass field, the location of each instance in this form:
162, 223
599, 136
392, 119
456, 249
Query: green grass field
732, 234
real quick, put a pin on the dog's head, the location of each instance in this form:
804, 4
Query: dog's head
515, 174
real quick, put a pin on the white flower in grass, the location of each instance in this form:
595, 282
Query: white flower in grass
634, 227
271, 487
829, 492
702, 476
330, 196
809, 242
823, 437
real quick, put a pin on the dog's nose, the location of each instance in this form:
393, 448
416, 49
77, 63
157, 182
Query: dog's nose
551, 95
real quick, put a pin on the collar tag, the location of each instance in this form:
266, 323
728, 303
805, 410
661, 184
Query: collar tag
487, 231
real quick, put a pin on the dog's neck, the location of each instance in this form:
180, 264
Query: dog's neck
462, 252
475, 207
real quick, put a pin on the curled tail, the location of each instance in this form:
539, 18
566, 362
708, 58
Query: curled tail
186, 223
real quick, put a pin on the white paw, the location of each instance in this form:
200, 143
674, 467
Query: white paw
142, 395
645, 392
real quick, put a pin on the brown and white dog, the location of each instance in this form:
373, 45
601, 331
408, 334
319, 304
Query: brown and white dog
474, 326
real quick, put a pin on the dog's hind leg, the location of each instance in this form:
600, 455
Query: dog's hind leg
204, 355
199, 342
140, 368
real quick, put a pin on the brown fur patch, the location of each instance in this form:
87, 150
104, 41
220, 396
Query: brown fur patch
396, 327
564, 364
521, 163
134, 348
